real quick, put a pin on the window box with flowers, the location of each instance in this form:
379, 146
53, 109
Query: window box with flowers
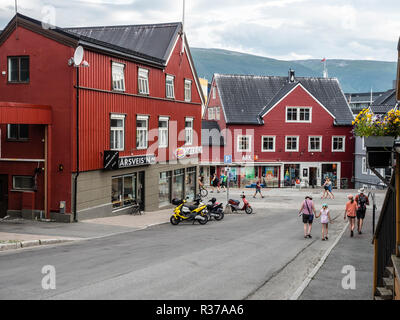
379, 132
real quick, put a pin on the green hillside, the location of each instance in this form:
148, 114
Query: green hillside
354, 75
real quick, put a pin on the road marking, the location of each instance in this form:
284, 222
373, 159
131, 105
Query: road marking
307, 281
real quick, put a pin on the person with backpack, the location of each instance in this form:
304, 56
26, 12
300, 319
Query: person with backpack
307, 209
362, 203
215, 183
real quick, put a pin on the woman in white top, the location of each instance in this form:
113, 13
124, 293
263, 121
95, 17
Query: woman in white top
325, 219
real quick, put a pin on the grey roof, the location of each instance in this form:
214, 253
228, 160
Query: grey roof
211, 134
152, 40
387, 98
362, 97
246, 98
381, 109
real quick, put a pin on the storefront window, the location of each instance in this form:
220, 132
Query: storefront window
178, 183
164, 193
190, 185
249, 175
270, 176
329, 171
233, 177
292, 172
123, 191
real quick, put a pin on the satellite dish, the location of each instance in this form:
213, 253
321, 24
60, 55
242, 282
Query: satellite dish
78, 56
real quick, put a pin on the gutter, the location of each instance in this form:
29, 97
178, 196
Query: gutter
77, 148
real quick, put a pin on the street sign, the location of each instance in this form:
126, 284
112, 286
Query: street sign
228, 158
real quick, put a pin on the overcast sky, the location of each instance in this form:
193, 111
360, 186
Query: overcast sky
281, 29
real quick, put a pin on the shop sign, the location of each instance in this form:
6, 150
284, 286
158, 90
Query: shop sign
110, 161
247, 157
180, 153
135, 161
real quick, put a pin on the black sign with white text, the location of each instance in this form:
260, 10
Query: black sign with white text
135, 161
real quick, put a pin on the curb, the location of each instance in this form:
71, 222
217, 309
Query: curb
30, 243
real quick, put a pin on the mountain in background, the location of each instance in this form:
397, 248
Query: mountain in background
354, 75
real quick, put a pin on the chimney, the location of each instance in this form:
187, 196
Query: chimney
291, 76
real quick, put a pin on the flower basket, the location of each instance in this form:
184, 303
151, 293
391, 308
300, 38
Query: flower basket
379, 151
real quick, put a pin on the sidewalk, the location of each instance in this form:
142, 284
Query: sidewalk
19, 230
357, 252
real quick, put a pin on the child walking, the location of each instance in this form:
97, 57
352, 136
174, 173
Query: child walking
325, 219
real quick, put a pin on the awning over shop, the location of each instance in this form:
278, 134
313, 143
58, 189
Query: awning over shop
24, 113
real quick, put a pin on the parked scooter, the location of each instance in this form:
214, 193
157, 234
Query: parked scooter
184, 212
235, 205
215, 210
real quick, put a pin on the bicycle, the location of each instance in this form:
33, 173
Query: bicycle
203, 192
135, 210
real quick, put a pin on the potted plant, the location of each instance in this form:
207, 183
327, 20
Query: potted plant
379, 132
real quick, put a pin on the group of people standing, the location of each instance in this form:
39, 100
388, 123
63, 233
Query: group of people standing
355, 209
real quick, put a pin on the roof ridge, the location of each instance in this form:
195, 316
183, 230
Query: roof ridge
154, 25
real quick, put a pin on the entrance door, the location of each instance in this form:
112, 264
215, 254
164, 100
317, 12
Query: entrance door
313, 177
140, 193
3, 195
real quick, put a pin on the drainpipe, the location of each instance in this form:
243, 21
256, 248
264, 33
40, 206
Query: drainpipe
77, 146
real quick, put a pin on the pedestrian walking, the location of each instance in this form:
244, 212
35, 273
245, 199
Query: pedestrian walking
330, 193
215, 183
362, 202
325, 220
222, 179
258, 189
307, 209
326, 189
350, 213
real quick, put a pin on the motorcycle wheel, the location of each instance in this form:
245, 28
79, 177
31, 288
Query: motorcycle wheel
205, 219
174, 221
203, 193
220, 216
249, 210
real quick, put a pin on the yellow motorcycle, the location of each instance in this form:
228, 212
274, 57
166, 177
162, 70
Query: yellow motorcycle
185, 212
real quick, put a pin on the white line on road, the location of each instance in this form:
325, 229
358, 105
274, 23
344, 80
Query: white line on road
307, 281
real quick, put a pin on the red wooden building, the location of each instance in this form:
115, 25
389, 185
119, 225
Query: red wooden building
278, 129
119, 128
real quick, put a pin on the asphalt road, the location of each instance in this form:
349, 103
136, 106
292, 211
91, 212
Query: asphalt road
259, 256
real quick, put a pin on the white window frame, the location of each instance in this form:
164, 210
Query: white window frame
344, 143
189, 132
143, 81
298, 109
211, 114
118, 76
163, 133
239, 137
297, 144
144, 130
170, 88
214, 94
118, 145
217, 113
364, 168
320, 144
14, 187
188, 90
262, 144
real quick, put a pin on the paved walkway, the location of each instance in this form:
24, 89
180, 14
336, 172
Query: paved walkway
357, 252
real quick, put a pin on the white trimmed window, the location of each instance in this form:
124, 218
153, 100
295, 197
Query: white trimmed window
163, 132
118, 78
169, 86
364, 165
211, 114
117, 134
292, 144
142, 123
338, 144
188, 131
217, 113
143, 81
18, 69
188, 90
268, 143
23, 183
298, 114
315, 144
214, 94
244, 143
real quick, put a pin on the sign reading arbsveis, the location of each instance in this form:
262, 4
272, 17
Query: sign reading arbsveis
135, 161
